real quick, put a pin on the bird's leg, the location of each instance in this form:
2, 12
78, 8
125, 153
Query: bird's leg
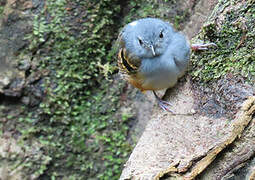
197, 47
163, 104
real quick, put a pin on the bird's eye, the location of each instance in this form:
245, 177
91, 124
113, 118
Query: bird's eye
140, 41
161, 34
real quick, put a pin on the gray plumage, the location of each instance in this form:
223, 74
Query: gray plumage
152, 54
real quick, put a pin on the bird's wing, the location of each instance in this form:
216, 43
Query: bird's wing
127, 62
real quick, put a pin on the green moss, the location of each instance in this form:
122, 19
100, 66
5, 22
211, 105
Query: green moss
235, 54
1, 10
80, 131
77, 124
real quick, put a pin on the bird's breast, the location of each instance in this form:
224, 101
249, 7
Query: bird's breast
159, 72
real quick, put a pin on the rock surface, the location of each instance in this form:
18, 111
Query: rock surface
212, 135
176, 143
16, 23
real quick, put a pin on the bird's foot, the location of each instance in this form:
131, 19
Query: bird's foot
163, 104
198, 47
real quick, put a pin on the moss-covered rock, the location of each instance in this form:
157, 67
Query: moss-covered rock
225, 75
233, 32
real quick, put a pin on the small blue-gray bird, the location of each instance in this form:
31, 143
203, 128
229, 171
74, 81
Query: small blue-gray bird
152, 56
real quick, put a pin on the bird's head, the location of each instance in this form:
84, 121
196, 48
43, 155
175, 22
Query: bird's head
148, 37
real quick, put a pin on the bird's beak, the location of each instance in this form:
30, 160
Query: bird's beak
153, 51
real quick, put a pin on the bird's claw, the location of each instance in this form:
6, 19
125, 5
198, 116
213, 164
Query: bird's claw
164, 105
197, 47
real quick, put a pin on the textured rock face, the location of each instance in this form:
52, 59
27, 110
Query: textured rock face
183, 145
175, 140
201, 12
183, 140
212, 134
14, 26
16, 23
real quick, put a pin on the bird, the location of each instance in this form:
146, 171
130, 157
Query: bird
153, 56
